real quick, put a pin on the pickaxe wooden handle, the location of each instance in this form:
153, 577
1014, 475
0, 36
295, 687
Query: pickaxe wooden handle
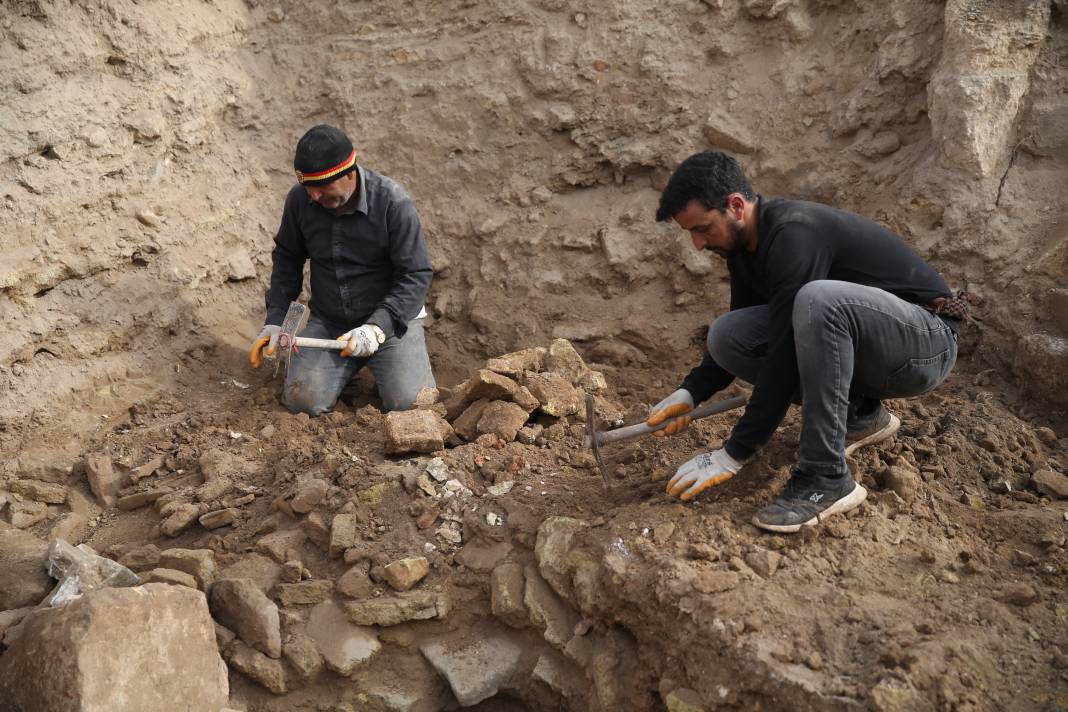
629, 432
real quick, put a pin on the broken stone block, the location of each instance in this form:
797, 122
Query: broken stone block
475, 668
261, 570
682, 699
764, 562
415, 431
71, 528
355, 583
23, 515
592, 382
241, 606
556, 396
218, 464
164, 633
564, 360
219, 518
23, 561
140, 499
103, 480
394, 610
292, 572
548, 612
309, 495
198, 563
181, 519
342, 644
141, 558
515, 363
318, 531
46, 492
214, 489
278, 544
525, 399
301, 652
502, 419
404, 574
456, 401
901, 480
1050, 483
562, 676
555, 537
342, 534
466, 425
256, 666
487, 385
482, 556
303, 593
506, 594
171, 577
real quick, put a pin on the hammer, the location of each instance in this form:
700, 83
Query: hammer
603, 437
294, 322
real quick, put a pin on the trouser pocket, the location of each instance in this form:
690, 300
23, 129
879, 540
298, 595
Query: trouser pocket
919, 375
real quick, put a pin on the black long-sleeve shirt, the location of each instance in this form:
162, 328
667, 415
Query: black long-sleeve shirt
797, 243
369, 265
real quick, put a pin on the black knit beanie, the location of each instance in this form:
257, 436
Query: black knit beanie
324, 154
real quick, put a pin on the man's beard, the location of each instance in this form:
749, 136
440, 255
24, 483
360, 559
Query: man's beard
737, 241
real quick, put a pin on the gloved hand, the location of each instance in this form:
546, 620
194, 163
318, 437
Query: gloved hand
363, 341
674, 406
268, 338
706, 470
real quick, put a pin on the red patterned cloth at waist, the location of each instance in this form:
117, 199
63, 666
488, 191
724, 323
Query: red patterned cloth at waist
958, 307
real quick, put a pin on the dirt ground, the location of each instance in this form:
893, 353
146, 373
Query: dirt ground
147, 157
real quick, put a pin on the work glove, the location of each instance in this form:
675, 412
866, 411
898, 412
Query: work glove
674, 406
706, 470
268, 338
363, 341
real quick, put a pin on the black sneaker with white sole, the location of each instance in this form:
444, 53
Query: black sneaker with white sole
808, 500
869, 423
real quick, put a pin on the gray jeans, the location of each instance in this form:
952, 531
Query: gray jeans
316, 377
852, 341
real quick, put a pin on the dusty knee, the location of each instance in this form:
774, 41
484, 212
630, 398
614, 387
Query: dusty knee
299, 398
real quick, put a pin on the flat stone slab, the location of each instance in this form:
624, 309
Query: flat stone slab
342, 644
475, 671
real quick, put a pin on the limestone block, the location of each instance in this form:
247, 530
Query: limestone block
475, 668
515, 363
25, 580
278, 544
503, 419
466, 424
256, 666
565, 361
490, 385
103, 480
506, 594
241, 606
404, 574
303, 593
393, 610
144, 648
342, 644
556, 395
198, 563
415, 431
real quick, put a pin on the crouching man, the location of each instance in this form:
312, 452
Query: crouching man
828, 309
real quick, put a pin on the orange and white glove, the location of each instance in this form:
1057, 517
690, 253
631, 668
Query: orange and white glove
268, 338
363, 341
676, 406
706, 470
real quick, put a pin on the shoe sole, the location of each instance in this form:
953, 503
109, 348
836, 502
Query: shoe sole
850, 501
877, 437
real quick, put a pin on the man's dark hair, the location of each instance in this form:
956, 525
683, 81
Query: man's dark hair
707, 177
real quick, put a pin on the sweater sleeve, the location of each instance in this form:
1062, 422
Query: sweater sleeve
795, 257
288, 258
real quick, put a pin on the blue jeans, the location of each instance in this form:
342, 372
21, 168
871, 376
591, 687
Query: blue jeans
852, 342
316, 377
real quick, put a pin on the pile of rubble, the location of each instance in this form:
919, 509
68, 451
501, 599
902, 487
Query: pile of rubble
305, 583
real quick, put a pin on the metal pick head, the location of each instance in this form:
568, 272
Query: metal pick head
593, 431
294, 322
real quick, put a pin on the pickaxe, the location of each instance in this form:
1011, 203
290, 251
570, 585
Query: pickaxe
603, 437
295, 320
